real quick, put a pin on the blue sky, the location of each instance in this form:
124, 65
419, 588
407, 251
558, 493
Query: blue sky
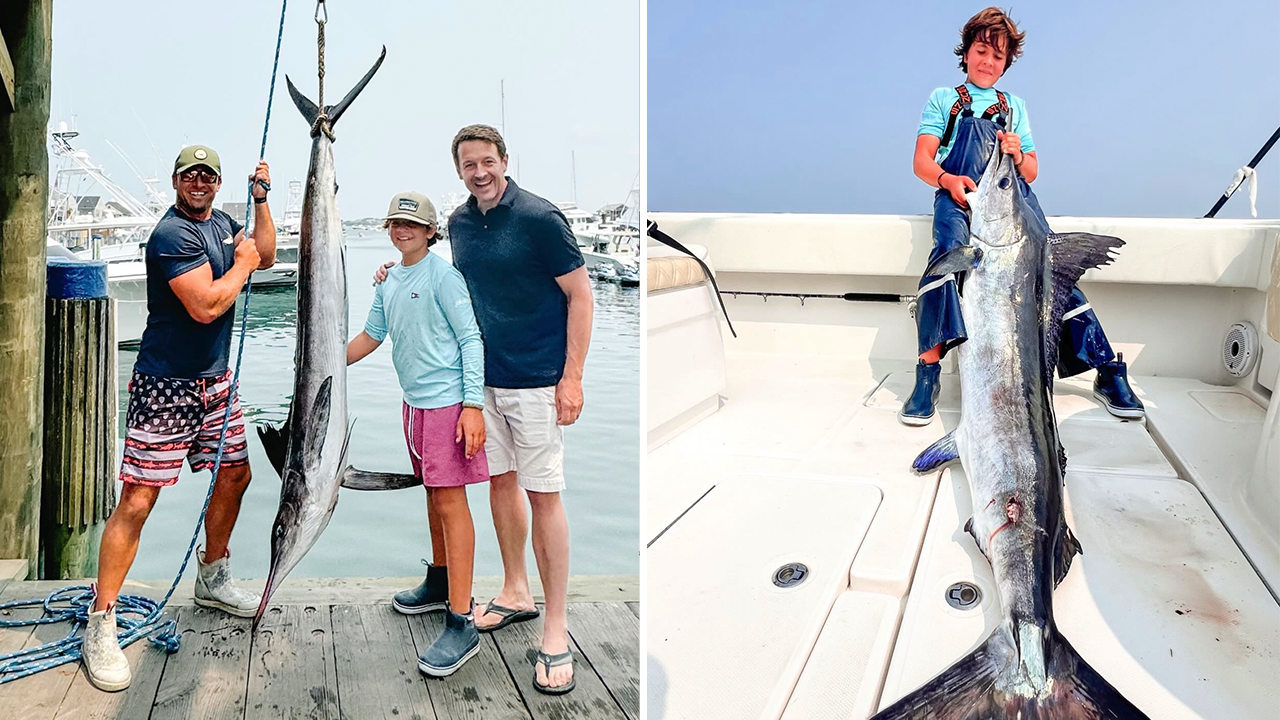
1137, 108
152, 76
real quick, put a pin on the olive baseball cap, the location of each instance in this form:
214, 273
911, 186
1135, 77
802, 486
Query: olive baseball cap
194, 155
412, 206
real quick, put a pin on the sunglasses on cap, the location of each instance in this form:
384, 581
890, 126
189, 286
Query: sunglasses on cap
208, 176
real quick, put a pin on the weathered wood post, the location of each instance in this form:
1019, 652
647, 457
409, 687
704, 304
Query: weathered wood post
25, 26
79, 418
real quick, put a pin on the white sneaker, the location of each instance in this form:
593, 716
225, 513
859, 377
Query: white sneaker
216, 589
104, 661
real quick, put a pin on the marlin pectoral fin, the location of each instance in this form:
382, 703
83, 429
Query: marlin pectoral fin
355, 479
938, 454
963, 258
275, 441
318, 422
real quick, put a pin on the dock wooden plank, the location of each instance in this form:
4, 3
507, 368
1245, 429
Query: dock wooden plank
589, 699
291, 673
480, 690
377, 666
41, 694
206, 678
86, 702
635, 608
609, 636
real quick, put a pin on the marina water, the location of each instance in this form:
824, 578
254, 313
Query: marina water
384, 534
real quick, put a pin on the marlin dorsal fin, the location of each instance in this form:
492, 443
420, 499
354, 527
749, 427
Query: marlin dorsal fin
1070, 255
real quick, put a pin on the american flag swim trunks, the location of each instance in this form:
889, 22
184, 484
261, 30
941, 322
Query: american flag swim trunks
170, 419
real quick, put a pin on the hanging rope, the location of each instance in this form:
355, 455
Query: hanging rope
137, 616
322, 120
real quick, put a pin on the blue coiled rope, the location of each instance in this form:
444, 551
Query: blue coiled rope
137, 617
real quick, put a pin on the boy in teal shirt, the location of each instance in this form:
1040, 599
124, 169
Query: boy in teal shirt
959, 129
425, 309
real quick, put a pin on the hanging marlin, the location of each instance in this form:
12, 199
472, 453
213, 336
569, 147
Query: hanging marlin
310, 450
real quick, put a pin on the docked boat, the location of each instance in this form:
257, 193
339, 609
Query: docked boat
798, 569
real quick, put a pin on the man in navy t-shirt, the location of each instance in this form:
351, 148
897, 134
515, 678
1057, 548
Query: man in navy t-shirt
534, 305
197, 261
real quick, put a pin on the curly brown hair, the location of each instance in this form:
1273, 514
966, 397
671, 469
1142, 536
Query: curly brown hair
993, 27
484, 133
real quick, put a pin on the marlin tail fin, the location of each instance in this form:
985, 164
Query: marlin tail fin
333, 112
981, 687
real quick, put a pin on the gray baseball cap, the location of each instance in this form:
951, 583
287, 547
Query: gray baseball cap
412, 206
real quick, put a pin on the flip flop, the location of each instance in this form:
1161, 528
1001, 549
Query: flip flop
550, 661
509, 616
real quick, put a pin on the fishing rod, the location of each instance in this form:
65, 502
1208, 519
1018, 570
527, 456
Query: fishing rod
849, 296
1245, 172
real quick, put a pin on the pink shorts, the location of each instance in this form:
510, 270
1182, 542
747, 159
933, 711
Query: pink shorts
437, 459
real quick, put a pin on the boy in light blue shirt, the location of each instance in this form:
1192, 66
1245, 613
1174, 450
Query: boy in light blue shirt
425, 309
960, 129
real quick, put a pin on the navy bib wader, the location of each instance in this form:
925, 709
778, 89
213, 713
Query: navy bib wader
1082, 345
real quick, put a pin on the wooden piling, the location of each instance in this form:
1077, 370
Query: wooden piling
80, 396
24, 187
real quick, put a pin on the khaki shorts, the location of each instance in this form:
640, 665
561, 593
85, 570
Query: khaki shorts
521, 434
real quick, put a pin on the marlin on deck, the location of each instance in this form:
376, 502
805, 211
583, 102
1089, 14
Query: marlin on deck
1017, 279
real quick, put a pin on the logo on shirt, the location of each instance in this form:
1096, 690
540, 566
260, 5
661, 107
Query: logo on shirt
413, 296
228, 240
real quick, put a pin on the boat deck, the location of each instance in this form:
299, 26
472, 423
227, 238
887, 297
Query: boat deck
806, 462
335, 649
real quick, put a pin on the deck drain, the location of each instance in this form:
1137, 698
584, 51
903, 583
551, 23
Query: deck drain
963, 595
790, 575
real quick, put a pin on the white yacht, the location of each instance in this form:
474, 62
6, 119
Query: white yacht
798, 568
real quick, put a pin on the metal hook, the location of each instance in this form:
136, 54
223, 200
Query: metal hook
322, 12
801, 301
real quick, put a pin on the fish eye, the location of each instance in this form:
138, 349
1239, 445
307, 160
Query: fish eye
1004, 183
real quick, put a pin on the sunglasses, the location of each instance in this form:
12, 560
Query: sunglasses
206, 175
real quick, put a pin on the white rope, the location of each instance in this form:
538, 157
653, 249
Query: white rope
1246, 173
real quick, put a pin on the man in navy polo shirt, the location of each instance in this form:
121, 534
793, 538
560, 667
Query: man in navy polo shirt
197, 260
534, 305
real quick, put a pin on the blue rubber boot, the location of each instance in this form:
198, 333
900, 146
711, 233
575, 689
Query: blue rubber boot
432, 594
920, 408
459, 642
1111, 388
